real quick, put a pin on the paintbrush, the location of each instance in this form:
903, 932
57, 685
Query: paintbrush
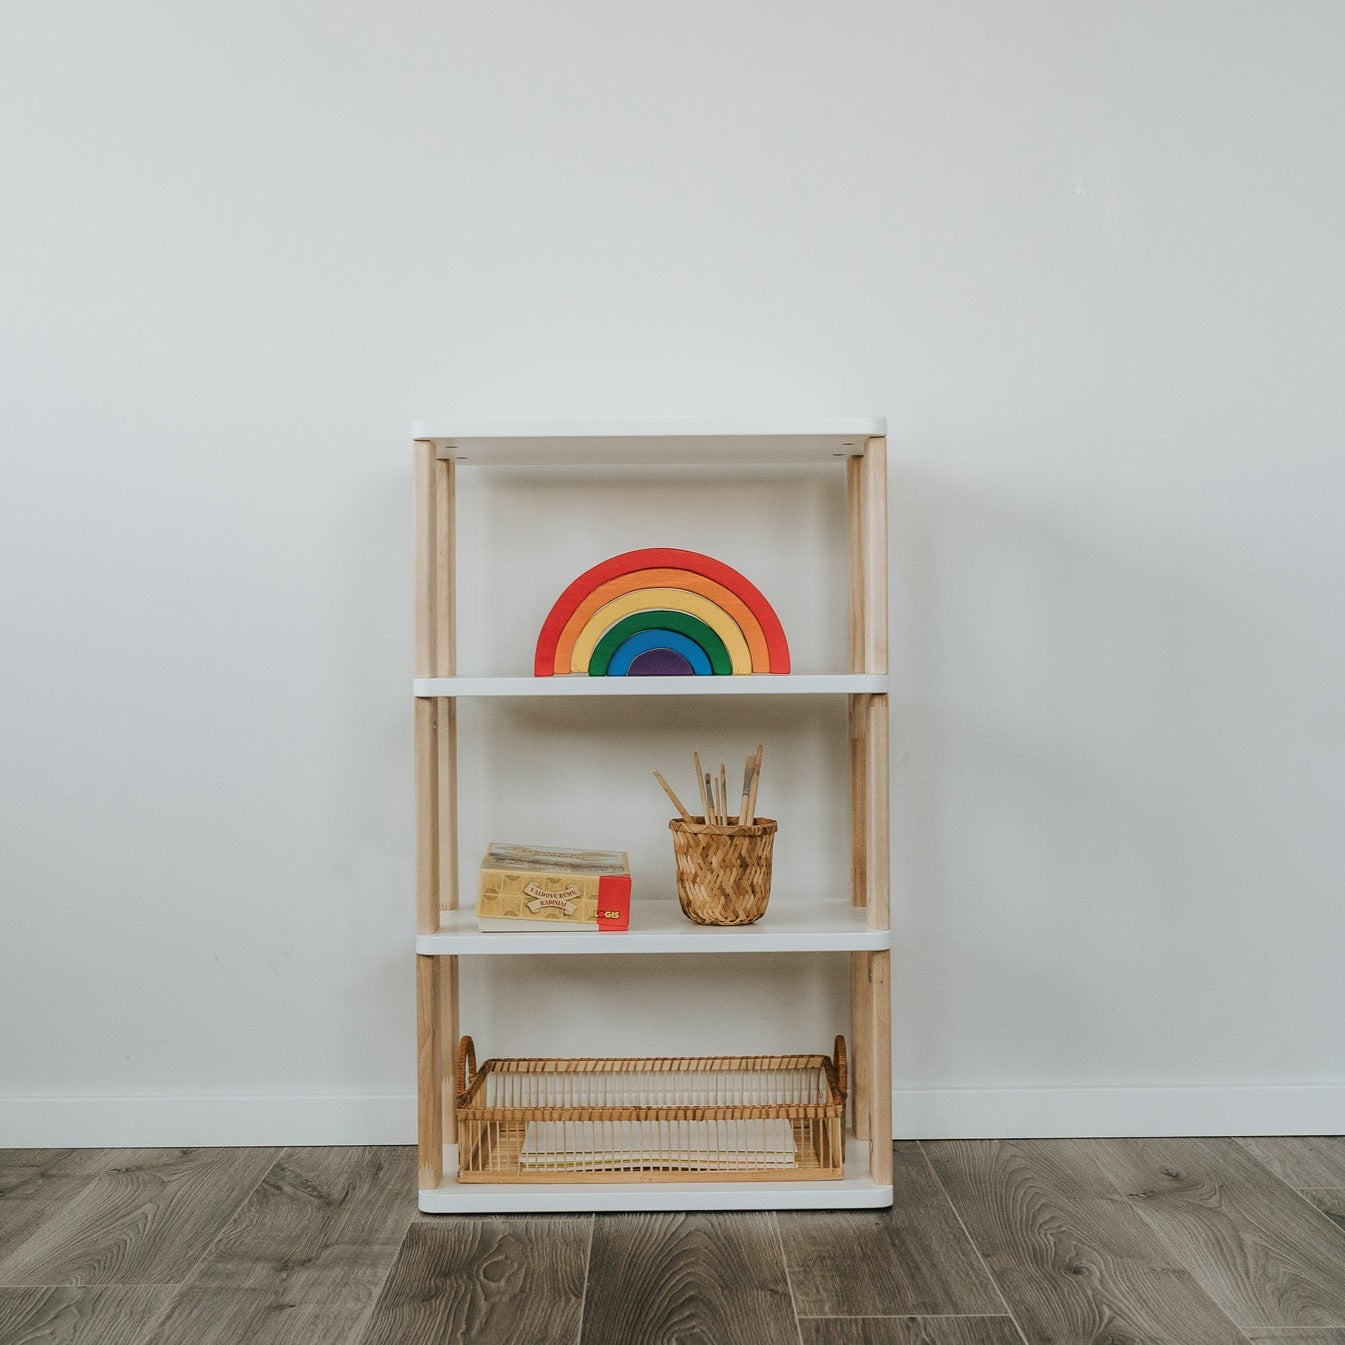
677, 803
756, 780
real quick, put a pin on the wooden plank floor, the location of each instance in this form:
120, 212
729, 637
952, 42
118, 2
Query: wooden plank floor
1012, 1242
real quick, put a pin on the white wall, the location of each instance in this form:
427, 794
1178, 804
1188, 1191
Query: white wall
1085, 257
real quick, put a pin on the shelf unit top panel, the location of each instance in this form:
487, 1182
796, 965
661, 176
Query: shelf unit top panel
757, 684
660, 927
578, 443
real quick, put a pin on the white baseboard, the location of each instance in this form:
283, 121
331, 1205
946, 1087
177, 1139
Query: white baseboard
918, 1113
201, 1121
1053, 1113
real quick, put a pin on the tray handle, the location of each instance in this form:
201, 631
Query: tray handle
466, 1064
841, 1071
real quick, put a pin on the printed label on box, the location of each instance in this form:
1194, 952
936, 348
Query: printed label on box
544, 886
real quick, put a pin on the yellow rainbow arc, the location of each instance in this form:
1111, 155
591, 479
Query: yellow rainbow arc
670, 599
642, 581
629, 601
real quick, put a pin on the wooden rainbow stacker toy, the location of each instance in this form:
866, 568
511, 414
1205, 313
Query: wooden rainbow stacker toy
661, 612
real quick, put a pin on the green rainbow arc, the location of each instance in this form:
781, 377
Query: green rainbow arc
661, 619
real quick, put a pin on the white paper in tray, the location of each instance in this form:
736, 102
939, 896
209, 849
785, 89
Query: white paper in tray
601, 1146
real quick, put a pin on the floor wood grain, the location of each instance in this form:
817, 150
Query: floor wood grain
910, 1260
1255, 1246
1301, 1160
35, 1183
909, 1331
325, 1224
232, 1316
1331, 1202
305, 1255
490, 1281
144, 1219
1052, 1242
1322, 1335
696, 1279
1075, 1264
115, 1315
20, 1168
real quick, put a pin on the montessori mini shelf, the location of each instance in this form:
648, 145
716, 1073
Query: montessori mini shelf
465, 1168
656, 1119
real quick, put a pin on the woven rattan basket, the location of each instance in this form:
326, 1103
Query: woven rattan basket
723, 873
686, 1119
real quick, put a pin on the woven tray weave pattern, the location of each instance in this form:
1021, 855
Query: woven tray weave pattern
703, 1118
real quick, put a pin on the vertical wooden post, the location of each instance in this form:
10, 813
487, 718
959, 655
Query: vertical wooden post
880, 1034
877, 858
448, 1034
436, 807
854, 532
445, 635
870, 973
861, 1077
427, 815
878, 979
873, 489
446, 664
859, 838
855, 551
429, 1072
424, 484
861, 1073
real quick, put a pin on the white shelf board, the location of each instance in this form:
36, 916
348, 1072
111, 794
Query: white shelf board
750, 684
660, 927
856, 1190
523, 443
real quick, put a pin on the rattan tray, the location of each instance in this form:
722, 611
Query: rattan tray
686, 1119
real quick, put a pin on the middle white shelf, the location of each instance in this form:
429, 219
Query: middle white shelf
764, 684
660, 927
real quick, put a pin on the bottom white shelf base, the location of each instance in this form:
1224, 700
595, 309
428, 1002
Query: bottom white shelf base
856, 1190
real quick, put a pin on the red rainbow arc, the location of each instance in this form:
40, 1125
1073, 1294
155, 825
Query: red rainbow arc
661, 611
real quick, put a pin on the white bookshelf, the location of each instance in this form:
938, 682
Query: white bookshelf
851, 924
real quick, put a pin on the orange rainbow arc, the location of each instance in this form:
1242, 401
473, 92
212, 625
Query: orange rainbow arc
668, 580
738, 611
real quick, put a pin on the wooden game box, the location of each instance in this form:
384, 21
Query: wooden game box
530, 887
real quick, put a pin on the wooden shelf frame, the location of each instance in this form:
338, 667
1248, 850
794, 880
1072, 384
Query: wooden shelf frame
863, 450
